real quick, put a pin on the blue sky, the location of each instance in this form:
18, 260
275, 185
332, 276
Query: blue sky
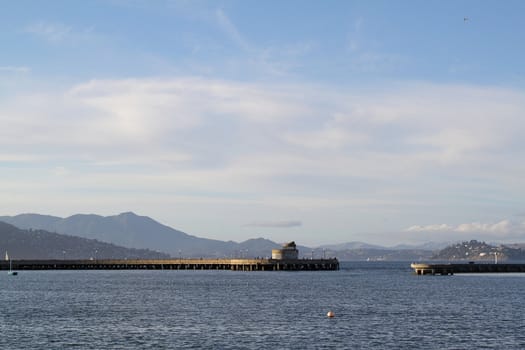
379, 121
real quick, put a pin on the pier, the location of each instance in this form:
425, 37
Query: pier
178, 264
450, 269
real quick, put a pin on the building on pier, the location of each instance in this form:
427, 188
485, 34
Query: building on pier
287, 252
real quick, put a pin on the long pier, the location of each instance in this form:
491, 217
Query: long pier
450, 269
177, 264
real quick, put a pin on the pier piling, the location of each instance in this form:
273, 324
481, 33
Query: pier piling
450, 269
177, 264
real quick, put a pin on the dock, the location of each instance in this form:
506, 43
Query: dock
178, 264
450, 269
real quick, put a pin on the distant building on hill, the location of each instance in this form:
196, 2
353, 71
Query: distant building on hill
288, 251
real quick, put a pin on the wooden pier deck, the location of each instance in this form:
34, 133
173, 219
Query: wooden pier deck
450, 269
177, 264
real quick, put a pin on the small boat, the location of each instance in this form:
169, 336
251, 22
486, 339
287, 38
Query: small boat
10, 272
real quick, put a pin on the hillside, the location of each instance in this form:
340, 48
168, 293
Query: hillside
479, 251
40, 244
127, 230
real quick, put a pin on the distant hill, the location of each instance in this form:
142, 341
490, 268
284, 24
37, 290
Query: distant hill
141, 232
375, 254
128, 230
424, 246
362, 245
475, 251
257, 247
350, 246
134, 231
360, 251
40, 244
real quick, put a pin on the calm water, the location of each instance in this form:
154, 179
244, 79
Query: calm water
377, 306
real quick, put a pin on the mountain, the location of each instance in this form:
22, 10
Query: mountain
423, 246
128, 230
141, 232
375, 254
40, 244
134, 231
26, 221
351, 246
260, 247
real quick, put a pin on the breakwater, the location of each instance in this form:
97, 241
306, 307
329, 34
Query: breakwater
177, 264
450, 269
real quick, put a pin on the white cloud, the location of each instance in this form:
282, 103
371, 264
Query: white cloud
327, 138
504, 229
430, 228
383, 134
276, 224
284, 149
17, 157
61, 171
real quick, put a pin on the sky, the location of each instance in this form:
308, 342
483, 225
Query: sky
385, 122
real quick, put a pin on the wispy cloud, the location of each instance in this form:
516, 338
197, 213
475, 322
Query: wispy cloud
354, 37
231, 30
15, 69
374, 62
276, 224
55, 32
365, 55
273, 60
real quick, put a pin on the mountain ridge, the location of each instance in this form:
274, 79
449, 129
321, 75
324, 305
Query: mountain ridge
134, 231
41, 244
130, 230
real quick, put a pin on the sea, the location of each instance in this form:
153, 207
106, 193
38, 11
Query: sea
377, 305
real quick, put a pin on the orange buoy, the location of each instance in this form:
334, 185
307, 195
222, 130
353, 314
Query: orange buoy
330, 314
